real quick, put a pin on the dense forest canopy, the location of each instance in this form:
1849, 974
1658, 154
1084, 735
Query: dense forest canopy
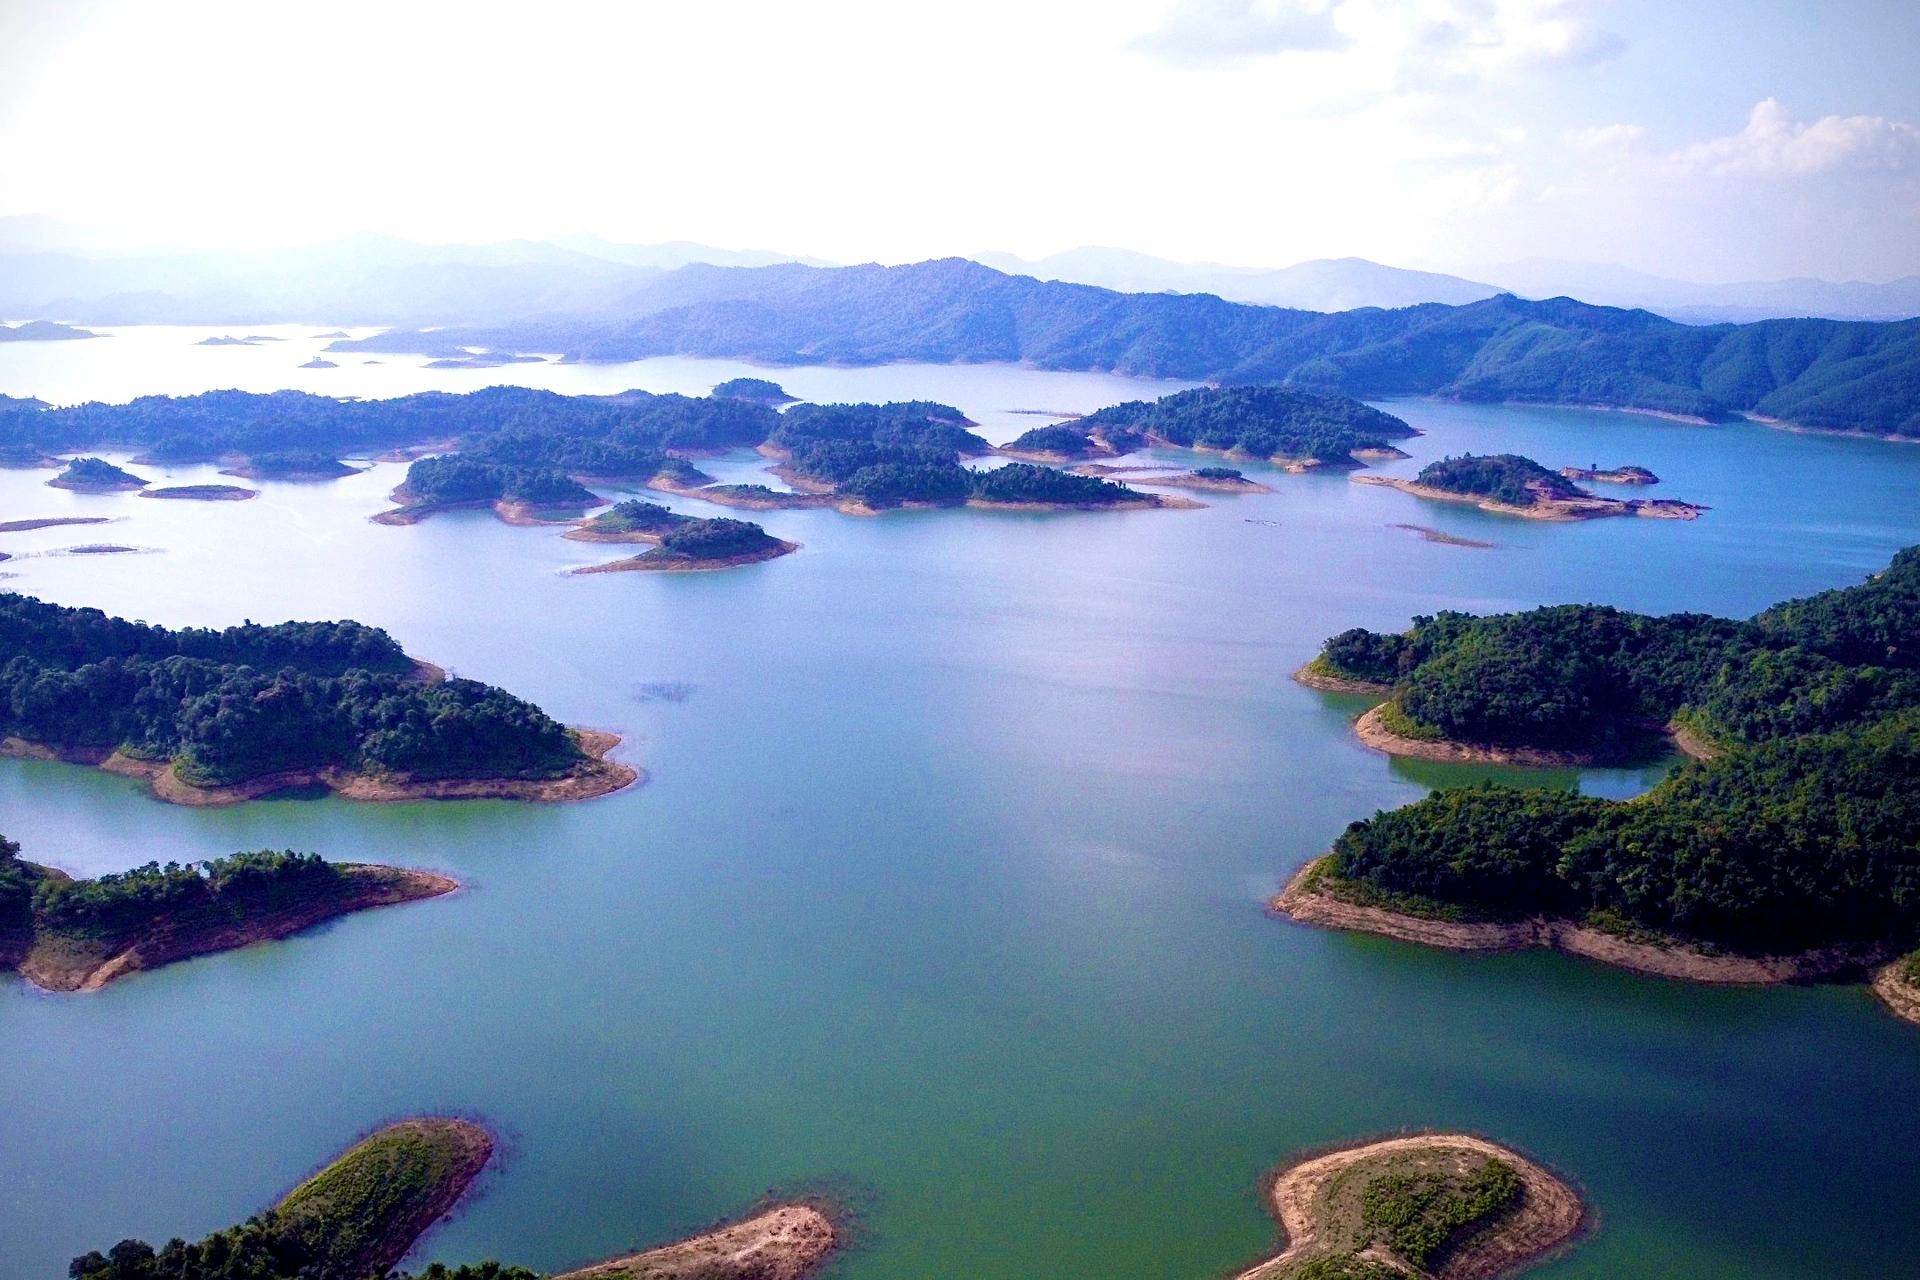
1795, 843
1834, 374
1804, 831
97, 471
1504, 477
1060, 438
230, 705
756, 389
1570, 675
1262, 422
715, 539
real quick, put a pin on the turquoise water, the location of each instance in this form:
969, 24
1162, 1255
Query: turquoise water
945, 893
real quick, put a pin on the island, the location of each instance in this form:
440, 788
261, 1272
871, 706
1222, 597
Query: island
1207, 479
1508, 484
319, 362
1293, 428
219, 717
363, 1213
64, 934
96, 475
518, 495
49, 522
44, 331
1057, 443
291, 464
1780, 853
690, 545
756, 390
1449, 1206
483, 360
1615, 475
203, 493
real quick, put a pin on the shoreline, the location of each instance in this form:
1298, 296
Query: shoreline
59, 965
1339, 684
1901, 997
593, 777
650, 562
1177, 480
1300, 901
1372, 733
514, 513
1558, 510
1550, 1216
786, 1242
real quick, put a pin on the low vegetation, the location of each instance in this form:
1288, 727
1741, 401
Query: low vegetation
716, 540
351, 1221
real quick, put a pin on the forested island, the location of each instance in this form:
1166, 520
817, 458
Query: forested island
96, 475
1790, 850
217, 717
681, 543
1297, 429
291, 464
1509, 484
64, 934
358, 1217
758, 390
203, 493
44, 331
1444, 1205
1611, 475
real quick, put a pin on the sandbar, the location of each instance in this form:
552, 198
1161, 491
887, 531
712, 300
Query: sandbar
21, 526
783, 1243
203, 493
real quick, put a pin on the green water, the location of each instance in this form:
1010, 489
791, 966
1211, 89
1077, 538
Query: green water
946, 890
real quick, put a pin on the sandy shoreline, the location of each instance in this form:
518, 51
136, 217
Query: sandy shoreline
787, 1242
1372, 732
1339, 684
61, 965
1300, 901
593, 777
1550, 1214
1901, 997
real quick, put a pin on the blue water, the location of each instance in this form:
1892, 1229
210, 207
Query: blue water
945, 893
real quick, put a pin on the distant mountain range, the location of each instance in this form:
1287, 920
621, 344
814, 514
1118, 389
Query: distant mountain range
1829, 374
51, 270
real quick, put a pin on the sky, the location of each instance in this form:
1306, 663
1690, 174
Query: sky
1708, 141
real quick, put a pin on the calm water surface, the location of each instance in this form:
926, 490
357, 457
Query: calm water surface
946, 890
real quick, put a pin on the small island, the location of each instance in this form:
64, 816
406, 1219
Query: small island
690, 545
96, 475
78, 935
1508, 484
49, 522
1615, 475
319, 362
363, 1213
1448, 1206
221, 717
203, 493
1295, 429
753, 390
291, 464
1779, 854
518, 495
44, 331
1206, 479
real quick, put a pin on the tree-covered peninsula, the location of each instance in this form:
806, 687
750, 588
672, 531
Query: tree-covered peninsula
358, 1217
78, 935
1798, 830
218, 716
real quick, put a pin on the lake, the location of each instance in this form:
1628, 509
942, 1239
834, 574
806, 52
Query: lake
945, 894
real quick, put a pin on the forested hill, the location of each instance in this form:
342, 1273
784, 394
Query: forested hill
1830, 374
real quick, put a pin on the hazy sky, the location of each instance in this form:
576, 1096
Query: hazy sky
1706, 140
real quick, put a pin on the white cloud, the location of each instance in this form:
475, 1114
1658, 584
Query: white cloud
1606, 139
1199, 32
1774, 145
